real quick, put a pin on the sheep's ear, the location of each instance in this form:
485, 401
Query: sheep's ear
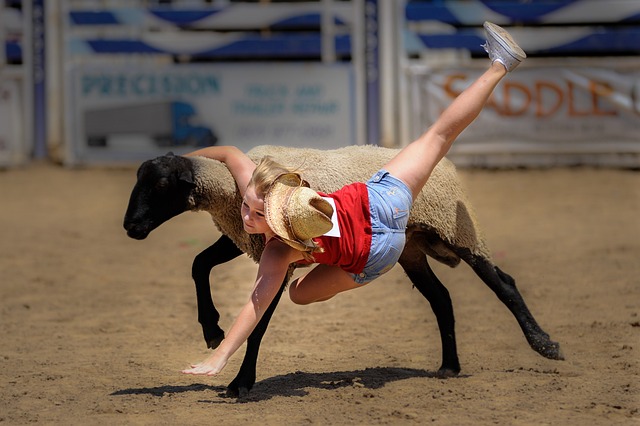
186, 177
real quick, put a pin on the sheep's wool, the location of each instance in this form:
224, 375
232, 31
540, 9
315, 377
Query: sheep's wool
442, 206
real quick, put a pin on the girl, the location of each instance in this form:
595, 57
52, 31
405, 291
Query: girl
371, 217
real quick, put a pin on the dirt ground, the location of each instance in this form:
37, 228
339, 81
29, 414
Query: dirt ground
95, 327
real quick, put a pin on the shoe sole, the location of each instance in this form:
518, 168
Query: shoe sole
505, 40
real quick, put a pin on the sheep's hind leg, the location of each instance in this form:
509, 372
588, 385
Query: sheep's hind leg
504, 286
246, 377
219, 252
415, 264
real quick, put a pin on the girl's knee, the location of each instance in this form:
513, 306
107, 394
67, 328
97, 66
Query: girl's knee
295, 294
305, 295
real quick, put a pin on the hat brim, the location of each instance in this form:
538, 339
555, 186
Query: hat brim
279, 194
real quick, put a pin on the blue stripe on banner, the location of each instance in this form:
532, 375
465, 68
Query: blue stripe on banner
631, 19
121, 46
189, 17
303, 46
13, 51
310, 20
621, 41
186, 18
93, 18
458, 40
475, 12
182, 17
615, 41
450, 12
526, 12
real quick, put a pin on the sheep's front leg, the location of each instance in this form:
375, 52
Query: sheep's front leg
417, 268
219, 252
246, 378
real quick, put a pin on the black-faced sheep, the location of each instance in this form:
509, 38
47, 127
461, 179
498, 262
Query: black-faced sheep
441, 225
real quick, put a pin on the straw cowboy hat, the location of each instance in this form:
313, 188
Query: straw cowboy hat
296, 213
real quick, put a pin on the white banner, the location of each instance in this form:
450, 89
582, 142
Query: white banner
562, 111
131, 113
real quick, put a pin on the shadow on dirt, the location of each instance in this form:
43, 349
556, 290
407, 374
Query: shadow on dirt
295, 384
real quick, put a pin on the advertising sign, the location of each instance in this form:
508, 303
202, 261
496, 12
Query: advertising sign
554, 110
132, 113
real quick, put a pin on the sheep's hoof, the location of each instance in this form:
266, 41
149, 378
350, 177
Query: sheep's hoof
241, 385
549, 349
446, 373
546, 347
213, 335
235, 392
215, 342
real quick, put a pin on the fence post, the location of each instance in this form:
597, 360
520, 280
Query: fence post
372, 74
38, 79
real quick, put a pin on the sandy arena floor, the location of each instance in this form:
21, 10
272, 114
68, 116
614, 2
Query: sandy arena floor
96, 326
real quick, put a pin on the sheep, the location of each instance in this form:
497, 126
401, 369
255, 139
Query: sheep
442, 226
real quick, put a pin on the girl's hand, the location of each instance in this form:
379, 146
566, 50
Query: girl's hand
209, 367
274, 263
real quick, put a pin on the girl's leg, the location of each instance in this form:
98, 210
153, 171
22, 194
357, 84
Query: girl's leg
414, 164
321, 284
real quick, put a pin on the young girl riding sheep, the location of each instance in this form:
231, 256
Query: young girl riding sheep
355, 234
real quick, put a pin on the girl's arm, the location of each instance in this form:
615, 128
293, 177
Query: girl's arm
272, 270
238, 163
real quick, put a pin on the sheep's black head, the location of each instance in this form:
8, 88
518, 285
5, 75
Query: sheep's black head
161, 192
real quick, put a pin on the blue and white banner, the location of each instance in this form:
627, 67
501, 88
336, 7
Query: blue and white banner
210, 46
505, 12
572, 40
128, 114
232, 31
548, 28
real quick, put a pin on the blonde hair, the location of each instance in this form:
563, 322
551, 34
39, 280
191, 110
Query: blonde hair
263, 177
266, 172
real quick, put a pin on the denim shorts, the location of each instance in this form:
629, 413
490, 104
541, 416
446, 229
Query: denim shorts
389, 206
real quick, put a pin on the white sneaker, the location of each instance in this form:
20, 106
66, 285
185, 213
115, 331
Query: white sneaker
501, 47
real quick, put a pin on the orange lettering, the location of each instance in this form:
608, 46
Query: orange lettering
598, 90
540, 86
448, 84
491, 103
573, 112
508, 89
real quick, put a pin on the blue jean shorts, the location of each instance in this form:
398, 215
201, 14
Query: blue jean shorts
389, 206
